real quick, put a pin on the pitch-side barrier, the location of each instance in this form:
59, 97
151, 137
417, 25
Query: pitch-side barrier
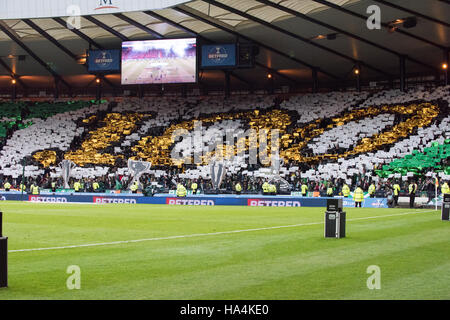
197, 200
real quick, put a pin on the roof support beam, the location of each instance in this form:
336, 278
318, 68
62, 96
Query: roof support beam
79, 33
358, 82
403, 73
6, 67
424, 16
56, 89
32, 54
12, 73
241, 79
315, 84
14, 93
56, 43
99, 91
384, 25
90, 41
172, 23
349, 34
267, 47
138, 25
107, 28
227, 84
110, 30
35, 27
446, 53
293, 35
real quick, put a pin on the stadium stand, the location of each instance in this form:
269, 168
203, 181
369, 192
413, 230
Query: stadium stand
323, 137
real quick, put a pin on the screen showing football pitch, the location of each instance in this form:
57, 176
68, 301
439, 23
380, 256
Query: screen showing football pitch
159, 61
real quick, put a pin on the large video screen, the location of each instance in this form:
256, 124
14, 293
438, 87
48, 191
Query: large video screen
159, 61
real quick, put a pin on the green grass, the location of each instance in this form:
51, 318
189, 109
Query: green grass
412, 251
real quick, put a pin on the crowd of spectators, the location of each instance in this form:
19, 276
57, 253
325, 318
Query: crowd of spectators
150, 185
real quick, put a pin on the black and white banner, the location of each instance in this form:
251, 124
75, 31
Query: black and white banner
218, 171
137, 169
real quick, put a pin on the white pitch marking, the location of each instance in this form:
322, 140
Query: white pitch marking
204, 234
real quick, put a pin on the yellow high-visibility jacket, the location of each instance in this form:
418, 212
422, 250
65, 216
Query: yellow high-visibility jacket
345, 190
34, 189
134, 186
358, 195
304, 189
272, 188
181, 191
396, 189
412, 187
445, 189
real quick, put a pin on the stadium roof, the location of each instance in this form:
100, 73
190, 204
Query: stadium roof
294, 37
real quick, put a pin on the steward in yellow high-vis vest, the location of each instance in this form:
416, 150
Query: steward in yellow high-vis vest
272, 189
7, 186
304, 190
358, 196
77, 186
396, 189
345, 190
238, 188
372, 190
181, 190
134, 187
194, 187
265, 188
34, 189
412, 188
95, 186
445, 189
330, 191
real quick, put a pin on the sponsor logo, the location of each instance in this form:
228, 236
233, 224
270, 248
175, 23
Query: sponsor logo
104, 59
378, 204
47, 199
218, 54
348, 203
189, 202
272, 203
106, 4
103, 200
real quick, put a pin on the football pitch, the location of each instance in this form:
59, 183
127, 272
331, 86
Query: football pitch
187, 252
180, 70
